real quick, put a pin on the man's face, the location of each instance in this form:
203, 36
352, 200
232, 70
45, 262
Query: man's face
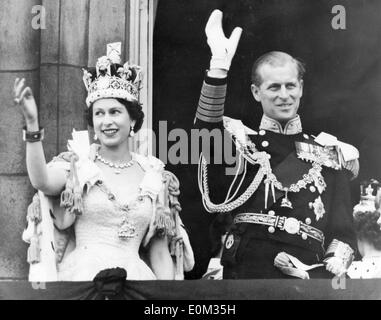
279, 92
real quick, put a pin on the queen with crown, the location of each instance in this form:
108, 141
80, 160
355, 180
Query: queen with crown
102, 206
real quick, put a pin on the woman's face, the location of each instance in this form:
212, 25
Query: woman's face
111, 121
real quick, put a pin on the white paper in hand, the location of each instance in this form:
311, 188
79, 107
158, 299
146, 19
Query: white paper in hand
80, 144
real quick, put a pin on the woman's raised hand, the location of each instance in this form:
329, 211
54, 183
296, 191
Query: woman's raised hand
25, 99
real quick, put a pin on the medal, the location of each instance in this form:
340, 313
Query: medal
286, 203
126, 230
318, 207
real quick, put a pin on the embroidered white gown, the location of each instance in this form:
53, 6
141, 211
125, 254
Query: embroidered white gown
98, 245
109, 232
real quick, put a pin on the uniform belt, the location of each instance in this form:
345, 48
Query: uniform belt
290, 225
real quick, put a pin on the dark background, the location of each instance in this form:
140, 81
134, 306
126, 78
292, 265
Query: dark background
342, 85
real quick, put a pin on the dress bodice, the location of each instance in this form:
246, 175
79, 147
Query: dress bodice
108, 235
102, 219
110, 230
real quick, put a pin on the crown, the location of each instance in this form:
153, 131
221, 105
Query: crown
368, 201
124, 85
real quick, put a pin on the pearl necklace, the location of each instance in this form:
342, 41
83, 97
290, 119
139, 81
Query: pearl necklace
117, 167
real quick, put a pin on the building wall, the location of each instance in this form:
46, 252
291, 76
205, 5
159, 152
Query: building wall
51, 60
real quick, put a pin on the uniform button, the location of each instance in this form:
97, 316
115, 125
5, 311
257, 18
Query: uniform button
271, 229
304, 236
262, 132
265, 144
312, 189
271, 213
308, 221
305, 136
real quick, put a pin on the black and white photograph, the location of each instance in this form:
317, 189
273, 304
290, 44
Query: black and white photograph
203, 151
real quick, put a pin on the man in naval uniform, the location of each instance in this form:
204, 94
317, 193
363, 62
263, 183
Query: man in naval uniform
290, 200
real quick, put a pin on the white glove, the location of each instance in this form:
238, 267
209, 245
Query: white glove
222, 48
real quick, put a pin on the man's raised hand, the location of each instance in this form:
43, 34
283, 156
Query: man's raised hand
222, 48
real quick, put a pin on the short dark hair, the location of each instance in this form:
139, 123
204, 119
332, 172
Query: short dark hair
133, 108
367, 228
275, 58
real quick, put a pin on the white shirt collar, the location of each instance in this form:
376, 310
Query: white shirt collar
293, 126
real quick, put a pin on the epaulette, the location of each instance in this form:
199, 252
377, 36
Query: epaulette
238, 130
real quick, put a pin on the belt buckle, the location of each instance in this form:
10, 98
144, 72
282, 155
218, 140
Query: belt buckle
291, 226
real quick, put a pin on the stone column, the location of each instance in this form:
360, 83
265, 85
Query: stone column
19, 57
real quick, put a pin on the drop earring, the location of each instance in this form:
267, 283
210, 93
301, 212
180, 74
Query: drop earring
95, 136
132, 132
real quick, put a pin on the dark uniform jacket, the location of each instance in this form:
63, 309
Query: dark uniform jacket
250, 249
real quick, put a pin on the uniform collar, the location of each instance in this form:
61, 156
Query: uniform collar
293, 126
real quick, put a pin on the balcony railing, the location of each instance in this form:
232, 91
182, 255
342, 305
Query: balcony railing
337, 289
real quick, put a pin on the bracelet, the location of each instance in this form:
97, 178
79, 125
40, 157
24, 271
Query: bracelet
33, 136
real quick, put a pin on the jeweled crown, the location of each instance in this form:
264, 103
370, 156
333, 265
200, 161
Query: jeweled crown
369, 201
124, 83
